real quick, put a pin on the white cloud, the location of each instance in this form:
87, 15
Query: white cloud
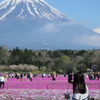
93, 40
48, 28
46, 43
55, 27
97, 30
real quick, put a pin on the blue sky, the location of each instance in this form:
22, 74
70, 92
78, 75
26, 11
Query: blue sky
86, 12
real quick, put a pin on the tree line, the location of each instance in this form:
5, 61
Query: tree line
50, 60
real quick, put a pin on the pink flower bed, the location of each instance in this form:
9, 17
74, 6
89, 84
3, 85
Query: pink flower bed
43, 89
47, 83
34, 94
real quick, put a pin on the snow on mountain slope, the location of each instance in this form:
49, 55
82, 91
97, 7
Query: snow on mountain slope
30, 9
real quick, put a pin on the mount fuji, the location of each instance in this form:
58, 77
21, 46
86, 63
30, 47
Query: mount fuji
37, 10
34, 24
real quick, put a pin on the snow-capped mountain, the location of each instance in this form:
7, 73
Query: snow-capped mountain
34, 24
26, 9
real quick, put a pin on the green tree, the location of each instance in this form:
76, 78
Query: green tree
50, 53
38, 63
39, 55
64, 58
46, 63
16, 56
4, 55
27, 56
56, 54
59, 64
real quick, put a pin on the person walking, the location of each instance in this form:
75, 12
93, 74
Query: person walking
94, 74
18, 77
54, 76
48, 75
98, 75
31, 76
2, 81
12, 75
5, 76
28, 76
21, 76
64, 74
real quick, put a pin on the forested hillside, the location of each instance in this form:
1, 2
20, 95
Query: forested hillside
53, 60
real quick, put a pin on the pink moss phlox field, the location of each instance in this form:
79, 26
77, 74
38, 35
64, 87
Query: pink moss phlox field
43, 88
47, 83
26, 94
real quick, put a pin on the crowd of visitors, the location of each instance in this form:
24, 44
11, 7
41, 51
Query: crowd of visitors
29, 76
93, 75
19, 77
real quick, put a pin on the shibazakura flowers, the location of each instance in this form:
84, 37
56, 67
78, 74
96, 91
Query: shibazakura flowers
43, 94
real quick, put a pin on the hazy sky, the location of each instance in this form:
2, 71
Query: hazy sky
86, 12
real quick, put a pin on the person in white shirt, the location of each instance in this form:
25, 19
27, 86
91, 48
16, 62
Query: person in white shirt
48, 75
43, 75
2, 81
80, 90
